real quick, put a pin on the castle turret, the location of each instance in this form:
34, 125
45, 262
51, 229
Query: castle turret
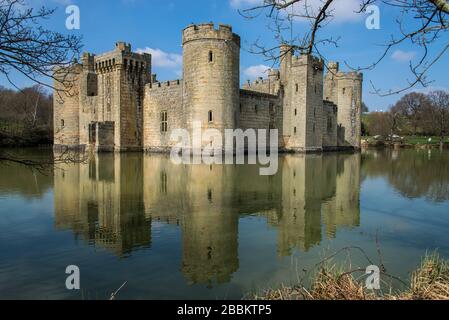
330, 83
211, 76
345, 90
350, 109
303, 104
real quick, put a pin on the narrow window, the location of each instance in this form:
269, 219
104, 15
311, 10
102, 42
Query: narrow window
62, 123
297, 88
163, 182
344, 90
256, 108
314, 127
209, 195
164, 122
210, 116
296, 112
294, 130
211, 56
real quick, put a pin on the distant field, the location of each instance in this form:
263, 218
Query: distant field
424, 140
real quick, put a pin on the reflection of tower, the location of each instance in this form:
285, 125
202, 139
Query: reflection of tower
210, 245
344, 209
300, 221
108, 210
199, 198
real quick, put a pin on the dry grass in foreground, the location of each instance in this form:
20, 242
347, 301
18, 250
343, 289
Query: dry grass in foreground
429, 282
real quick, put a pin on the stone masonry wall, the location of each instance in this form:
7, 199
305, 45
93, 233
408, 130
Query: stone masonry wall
330, 126
66, 110
162, 97
211, 68
260, 111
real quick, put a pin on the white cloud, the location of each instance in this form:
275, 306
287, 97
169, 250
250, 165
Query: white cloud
403, 56
241, 3
163, 59
255, 72
342, 10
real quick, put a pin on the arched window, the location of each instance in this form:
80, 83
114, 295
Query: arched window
210, 116
211, 56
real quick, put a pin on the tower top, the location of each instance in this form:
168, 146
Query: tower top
207, 31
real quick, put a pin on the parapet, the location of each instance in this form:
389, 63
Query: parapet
305, 59
123, 46
352, 75
207, 31
166, 84
333, 66
88, 61
122, 57
274, 74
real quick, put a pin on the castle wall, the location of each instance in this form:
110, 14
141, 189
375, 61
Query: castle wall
66, 109
159, 98
260, 111
330, 126
271, 85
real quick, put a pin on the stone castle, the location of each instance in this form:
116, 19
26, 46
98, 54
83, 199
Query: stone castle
117, 104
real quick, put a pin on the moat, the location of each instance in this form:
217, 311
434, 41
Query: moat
214, 232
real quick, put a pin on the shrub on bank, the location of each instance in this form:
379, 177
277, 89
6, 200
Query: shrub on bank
430, 281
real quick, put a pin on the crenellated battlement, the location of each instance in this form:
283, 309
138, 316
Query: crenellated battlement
120, 58
305, 59
165, 84
207, 31
352, 75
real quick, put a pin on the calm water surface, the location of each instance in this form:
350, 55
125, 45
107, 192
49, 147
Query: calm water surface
214, 232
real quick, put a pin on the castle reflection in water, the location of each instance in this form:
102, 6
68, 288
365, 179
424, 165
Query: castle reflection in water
113, 201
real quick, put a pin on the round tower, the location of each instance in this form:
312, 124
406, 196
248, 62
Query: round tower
211, 62
349, 104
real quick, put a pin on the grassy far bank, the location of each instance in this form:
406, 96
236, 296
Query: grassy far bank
430, 281
409, 140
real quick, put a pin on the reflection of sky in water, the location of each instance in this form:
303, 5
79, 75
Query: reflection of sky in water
220, 232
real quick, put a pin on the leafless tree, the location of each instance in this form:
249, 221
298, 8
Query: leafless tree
43, 56
419, 22
413, 106
29, 49
439, 113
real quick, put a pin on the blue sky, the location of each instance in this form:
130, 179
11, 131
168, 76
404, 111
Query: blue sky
156, 25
